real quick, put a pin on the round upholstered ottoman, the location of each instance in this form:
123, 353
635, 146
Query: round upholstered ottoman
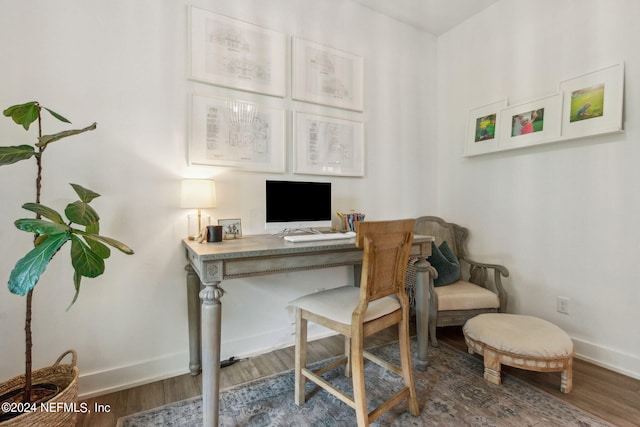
524, 342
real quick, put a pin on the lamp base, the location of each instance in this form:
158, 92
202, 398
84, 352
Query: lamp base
195, 225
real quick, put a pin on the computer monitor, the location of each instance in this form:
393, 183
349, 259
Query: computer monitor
297, 205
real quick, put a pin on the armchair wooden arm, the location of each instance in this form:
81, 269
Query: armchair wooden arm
479, 274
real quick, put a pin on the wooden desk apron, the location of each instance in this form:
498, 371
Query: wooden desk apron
266, 254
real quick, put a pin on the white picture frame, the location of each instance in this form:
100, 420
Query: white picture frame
592, 103
231, 228
323, 75
540, 121
236, 54
483, 128
326, 145
235, 133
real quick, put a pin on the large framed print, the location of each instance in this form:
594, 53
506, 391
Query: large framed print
483, 129
532, 123
592, 103
236, 54
235, 133
328, 145
323, 75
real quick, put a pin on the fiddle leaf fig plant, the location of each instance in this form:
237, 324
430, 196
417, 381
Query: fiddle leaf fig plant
89, 249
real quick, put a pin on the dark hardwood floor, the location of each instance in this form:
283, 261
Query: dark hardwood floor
609, 395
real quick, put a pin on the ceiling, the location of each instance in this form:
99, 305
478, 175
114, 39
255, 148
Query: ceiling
434, 16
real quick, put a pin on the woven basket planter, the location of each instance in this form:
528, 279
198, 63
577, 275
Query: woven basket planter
65, 403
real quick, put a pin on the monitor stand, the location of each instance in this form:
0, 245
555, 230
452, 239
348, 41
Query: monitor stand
288, 231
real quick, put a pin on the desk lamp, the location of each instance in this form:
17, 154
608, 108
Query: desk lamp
197, 194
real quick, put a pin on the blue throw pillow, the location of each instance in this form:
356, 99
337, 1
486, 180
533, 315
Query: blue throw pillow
446, 264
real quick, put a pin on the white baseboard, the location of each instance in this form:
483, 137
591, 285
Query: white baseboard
108, 381
623, 363
94, 384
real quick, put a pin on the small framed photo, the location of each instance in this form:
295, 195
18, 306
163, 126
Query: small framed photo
328, 145
483, 129
532, 123
231, 228
592, 103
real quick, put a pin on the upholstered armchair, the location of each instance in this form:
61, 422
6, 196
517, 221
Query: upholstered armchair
460, 288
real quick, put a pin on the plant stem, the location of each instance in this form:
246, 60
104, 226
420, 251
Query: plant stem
27, 330
27, 322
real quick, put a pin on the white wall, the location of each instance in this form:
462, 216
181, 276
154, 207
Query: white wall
562, 217
122, 63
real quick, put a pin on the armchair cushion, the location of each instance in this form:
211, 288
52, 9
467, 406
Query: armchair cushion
463, 295
446, 264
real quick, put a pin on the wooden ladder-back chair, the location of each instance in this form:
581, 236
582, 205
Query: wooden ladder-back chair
459, 297
354, 312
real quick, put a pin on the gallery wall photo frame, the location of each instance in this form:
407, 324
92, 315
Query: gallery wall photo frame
325, 145
232, 53
483, 128
328, 76
593, 102
236, 133
530, 123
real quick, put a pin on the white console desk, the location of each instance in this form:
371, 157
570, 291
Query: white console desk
211, 263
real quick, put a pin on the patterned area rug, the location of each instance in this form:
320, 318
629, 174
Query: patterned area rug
451, 392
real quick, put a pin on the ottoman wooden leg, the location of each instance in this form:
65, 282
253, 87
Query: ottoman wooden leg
491, 367
566, 382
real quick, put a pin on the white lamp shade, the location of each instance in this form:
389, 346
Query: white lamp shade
198, 194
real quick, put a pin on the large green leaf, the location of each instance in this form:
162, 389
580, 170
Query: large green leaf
48, 139
112, 242
9, 155
85, 194
40, 226
26, 273
23, 114
85, 262
81, 213
44, 211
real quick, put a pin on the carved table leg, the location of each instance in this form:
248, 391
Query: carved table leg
193, 307
211, 324
422, 311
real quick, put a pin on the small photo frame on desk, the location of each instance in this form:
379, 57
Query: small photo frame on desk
231, 228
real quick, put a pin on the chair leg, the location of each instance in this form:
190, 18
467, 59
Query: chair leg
405, 363
300, 357
357, 372
347, 352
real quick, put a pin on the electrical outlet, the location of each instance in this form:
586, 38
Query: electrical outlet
563, 305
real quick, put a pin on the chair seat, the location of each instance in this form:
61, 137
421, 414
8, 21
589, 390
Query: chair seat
338, 304
463, 295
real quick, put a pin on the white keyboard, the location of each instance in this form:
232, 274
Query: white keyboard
319, 236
